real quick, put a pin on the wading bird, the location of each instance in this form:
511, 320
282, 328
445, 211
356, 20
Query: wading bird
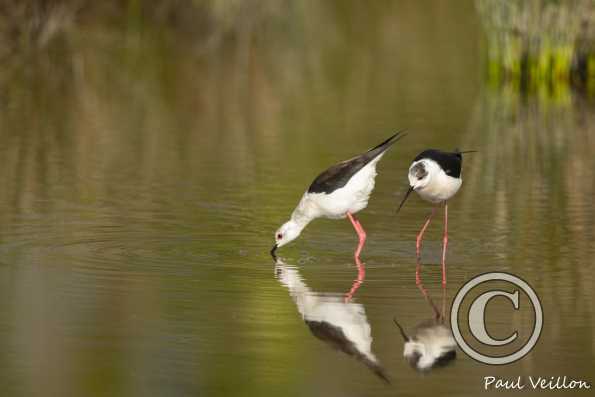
339, 192
436, 176
342, 325
432, 343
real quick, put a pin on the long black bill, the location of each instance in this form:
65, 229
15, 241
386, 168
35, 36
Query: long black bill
469, 151
405, 198
403, 334
273, 250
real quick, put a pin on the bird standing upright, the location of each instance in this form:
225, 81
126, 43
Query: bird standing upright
339, 192
436, 176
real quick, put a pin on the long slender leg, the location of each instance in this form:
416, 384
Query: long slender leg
361, 233
418, 242
444, 244
443, 314
361, 275
424, 292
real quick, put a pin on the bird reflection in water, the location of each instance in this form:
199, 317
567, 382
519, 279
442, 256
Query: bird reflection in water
361, 275
432, 344
332, 318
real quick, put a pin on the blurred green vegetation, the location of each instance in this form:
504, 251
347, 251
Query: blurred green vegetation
531, 44
537, 43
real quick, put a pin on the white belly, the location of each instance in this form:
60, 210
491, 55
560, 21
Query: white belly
441, 188
352, 197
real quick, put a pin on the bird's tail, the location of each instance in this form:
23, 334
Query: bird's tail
460, 152
403, 334
382, 147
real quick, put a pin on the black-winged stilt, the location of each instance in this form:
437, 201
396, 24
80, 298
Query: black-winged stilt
343, 325
339, 192
432, 343
436, 176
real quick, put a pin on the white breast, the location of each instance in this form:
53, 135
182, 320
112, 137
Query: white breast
430, 343
440, 187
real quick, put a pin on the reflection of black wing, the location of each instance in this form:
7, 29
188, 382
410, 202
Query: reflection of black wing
449, 162
446, 358
339, 174
335, 337
423, 331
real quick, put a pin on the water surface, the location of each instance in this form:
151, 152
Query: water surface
142, 183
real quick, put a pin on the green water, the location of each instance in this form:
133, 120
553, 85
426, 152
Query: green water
143, 179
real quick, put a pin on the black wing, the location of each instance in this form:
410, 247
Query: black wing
338, 175
336, 338
450, 162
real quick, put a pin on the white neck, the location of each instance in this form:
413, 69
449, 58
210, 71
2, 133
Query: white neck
299, 291
300, 221
304, 213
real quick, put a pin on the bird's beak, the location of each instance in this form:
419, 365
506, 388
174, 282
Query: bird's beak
403, 334
273, 251
405, 198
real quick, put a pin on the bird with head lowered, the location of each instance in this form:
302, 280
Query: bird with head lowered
338, 192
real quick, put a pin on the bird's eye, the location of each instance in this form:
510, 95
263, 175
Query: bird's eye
279, 236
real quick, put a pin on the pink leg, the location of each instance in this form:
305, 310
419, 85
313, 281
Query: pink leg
444, 244
430, 301
361, 233
361, 275
418, 241
443, 314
